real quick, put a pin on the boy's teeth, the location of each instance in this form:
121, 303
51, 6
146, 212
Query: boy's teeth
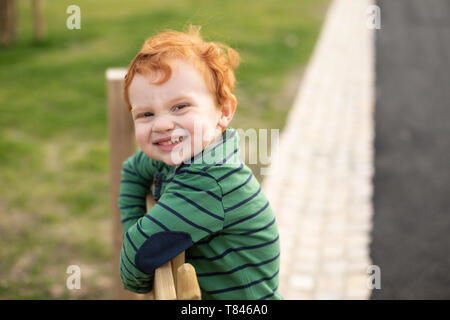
171, 141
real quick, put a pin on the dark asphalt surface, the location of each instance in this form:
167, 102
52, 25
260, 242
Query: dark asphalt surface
411, 231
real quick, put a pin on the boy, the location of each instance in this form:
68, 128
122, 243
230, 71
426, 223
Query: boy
179, 90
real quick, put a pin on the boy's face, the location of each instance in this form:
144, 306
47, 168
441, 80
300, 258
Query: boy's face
182, 106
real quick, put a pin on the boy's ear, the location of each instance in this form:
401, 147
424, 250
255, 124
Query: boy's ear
228, 110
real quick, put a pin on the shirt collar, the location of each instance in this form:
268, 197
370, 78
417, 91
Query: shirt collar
224, 151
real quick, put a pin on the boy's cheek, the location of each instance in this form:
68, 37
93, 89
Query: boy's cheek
141, 136
144, 143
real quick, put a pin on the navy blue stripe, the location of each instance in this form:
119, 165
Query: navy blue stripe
184, 185
260, 229
198, 207
124, 195
182, 165
234, 234
122, 275
134, 182
129, 260
231, 172
130, 218
203, 153
238, 268
137, 159
234, 250
217, 145
213, 195
149, 173
130, 172
193, 188
141, 231
130, 273
244, 201
123, 265
138, 288
183, 218
194, 158
197, 189
223, 160
243, 286
210, 238
228, 157
131, 242
233, 133
234, 189
248, 217
196, 173
156, 222
270, 294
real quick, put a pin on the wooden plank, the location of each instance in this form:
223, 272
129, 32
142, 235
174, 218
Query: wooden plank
164, 287
177, 262
8, 29
187, 284
122, 145
38, 24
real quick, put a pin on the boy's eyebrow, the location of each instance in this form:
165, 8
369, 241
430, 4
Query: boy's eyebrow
182, 97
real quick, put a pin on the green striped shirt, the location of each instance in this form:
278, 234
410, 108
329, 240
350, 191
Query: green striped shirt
213, 207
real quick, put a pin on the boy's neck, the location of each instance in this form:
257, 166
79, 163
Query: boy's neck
218, 138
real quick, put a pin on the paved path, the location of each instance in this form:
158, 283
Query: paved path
412, 182
320, 185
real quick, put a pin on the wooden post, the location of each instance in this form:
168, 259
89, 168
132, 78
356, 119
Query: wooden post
176, 263
122, 145
187, 284
37, 20
163, 284
7, 21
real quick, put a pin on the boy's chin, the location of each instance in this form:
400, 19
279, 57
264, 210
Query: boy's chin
172, 163
174, 160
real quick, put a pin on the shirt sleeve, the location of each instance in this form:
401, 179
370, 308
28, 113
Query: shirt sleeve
189, 210
137, 177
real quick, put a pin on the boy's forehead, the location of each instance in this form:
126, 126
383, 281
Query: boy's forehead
185, 81
185, 69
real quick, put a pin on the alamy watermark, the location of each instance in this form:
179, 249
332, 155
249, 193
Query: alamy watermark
254, 148
374, 17
374, 280
74, 280
74, 20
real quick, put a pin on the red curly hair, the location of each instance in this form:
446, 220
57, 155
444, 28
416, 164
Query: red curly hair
215, 61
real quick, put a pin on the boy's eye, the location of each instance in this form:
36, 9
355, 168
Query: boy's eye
150, 114
180, 106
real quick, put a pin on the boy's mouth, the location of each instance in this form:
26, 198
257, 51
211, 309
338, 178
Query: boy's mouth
169, 144
168, 141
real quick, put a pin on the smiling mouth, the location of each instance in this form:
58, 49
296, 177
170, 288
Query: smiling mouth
170, 142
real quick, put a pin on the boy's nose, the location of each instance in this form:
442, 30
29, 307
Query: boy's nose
162, 123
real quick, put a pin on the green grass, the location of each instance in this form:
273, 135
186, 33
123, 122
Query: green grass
54, 182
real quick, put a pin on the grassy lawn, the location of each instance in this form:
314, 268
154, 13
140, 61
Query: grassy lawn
54, 183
